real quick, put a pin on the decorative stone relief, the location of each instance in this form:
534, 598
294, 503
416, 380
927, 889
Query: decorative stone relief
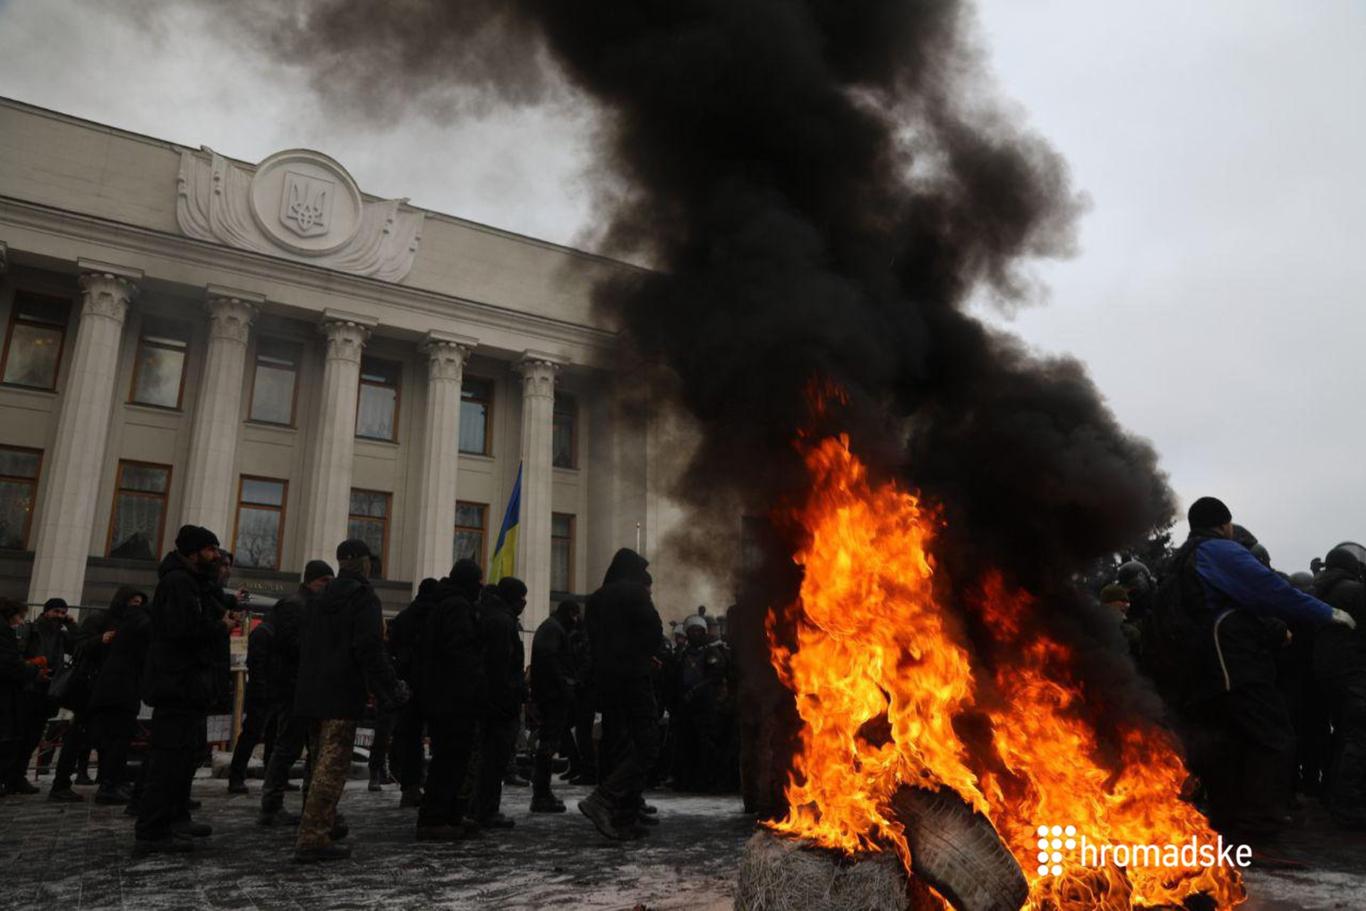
446, 355
231, 313
345, 338
106, 294
538, 375
300, 205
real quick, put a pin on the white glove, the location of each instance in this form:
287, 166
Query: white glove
1341, 616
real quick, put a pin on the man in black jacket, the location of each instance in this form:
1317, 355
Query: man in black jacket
116, 697
46, 642
15, 674
500, 606
1339, 664
624, 630
552, 690
406, 632
341, 660
180, 683
256, 715
282, 678
451, 696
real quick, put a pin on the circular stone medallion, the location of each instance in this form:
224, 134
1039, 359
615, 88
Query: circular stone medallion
305, 202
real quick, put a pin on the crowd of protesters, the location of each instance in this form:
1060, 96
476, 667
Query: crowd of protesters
1263, 673
606, 698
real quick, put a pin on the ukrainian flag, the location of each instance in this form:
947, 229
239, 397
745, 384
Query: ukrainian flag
504, 562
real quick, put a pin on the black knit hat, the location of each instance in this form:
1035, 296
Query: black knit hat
192, 538
54, 604
1208, 512
511, 589
353, 549
316, 569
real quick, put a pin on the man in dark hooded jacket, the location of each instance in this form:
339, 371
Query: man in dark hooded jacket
624, 630
282, 680
257, 708
451, 695
500, 606
341, 660
15, 674
552, 690
116, 700
46, 642
406, 632
1339, 664
181, 684
1242, 609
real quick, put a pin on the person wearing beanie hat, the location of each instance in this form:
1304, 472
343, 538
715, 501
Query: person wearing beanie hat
1115, 597
45, 643
341, 661
291, 731
505, 692
1239, 611
192, 539
406, 633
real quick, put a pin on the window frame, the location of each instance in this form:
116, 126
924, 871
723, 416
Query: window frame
483, 530
573, 533
164, 496
573, 413
362, 382
34, 481
137, 363
15, 319
488, 415
388, 514
294, 391
282, 509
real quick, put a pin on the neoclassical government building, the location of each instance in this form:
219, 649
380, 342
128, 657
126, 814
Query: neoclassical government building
266, 350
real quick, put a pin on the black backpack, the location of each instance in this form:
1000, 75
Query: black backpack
1173, 633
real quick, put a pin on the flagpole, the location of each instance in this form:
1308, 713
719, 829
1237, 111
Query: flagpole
638, 538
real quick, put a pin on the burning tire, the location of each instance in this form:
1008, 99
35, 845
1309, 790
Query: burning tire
778, 873
957, 850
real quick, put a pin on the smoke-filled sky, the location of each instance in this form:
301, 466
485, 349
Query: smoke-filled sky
1215, 291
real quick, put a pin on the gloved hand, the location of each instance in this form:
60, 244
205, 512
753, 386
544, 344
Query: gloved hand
1344, 618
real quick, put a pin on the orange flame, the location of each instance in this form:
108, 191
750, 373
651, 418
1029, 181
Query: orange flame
880, 671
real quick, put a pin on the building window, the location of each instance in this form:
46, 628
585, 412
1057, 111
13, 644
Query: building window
139, 511
564, 437
260, 522
159, 371
561, 552
18, 491
471, 531
273, 386
476, 404
33, 344
377, 411
369, 521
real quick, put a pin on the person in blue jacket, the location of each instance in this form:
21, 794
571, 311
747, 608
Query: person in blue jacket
1244, 611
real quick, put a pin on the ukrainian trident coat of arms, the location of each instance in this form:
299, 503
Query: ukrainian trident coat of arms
306, 204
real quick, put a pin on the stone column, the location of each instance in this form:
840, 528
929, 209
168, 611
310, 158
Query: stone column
74, 465
533, 536
446, 355
329, 481
213, 443
4, 257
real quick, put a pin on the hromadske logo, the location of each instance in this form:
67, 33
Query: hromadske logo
1062, 845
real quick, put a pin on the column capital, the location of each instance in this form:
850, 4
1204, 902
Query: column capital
538, 371
231, 312
107, 289
446, 354
346, 334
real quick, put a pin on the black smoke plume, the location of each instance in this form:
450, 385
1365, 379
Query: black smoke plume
822, 187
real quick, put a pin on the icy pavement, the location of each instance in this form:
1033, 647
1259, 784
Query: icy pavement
78, 857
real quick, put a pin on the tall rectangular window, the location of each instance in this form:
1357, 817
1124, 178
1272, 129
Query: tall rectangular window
260, 522
139, 513
561, 552
564, 439
369, 521
18, 492
471, 531
159, 371
377, 410
274, 382
33, 344
476, 404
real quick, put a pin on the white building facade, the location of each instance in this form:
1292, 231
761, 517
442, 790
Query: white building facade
269, 352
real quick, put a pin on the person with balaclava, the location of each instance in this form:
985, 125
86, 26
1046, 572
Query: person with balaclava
552, 692
1339, 670
341, 661
624, 630
187, 628
452, 699
115, 700
286, 619
1242, 609
406, 632
505, 692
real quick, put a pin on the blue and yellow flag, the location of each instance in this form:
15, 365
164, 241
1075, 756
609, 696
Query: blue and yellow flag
504, 562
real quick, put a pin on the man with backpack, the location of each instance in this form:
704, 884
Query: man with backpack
1223, 614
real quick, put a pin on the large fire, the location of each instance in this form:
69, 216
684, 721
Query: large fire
880, 672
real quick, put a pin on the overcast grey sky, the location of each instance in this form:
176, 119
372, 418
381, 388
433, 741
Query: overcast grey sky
1217, 294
